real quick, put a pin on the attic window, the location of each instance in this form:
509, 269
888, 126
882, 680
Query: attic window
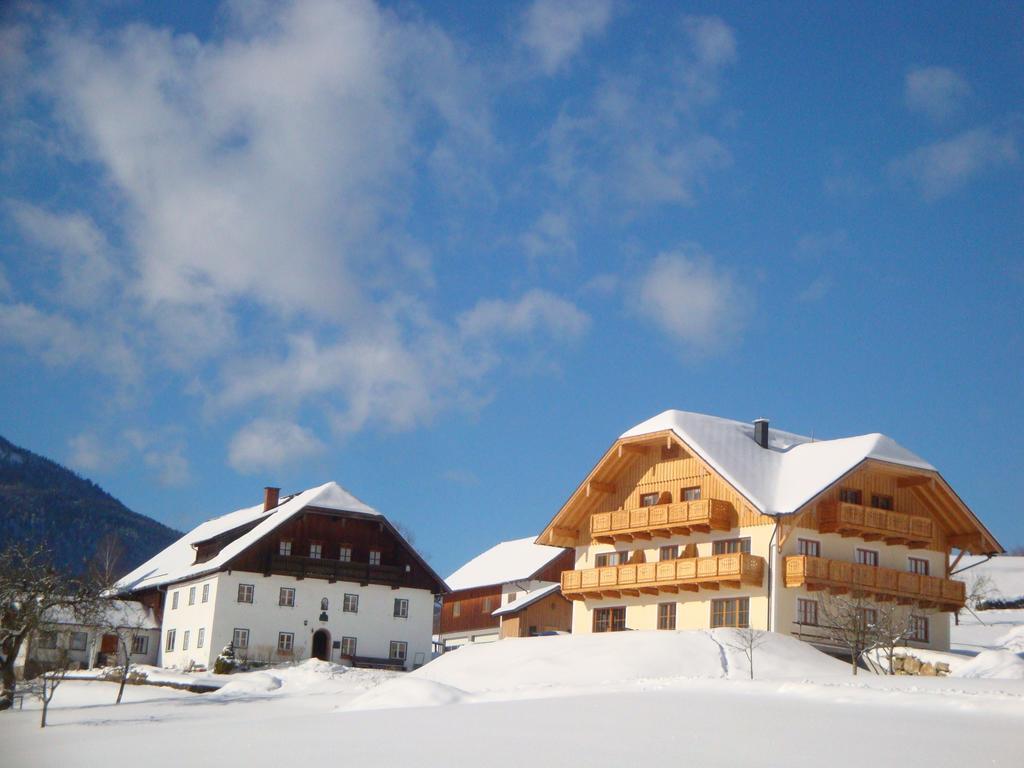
649, 499
316, 549
878, 501
374, 557
690, 494
284, 548
850, 496
345, 553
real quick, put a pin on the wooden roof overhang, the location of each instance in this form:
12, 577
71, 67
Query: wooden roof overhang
964, 531
563, 530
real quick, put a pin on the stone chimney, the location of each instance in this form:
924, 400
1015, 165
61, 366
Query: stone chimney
761, 432
270, 497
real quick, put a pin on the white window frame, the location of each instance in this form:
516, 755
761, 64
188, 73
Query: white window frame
876, 556
401, 608
284, 547
200, 637
349, 646
174, 600
281, 595
286, 639
345, 553
172, 636
185, 638
206, 593
248, 589
140, 645
374, 557
316, 550
347, 602
239, 634
403, 650
192, 595
912, 568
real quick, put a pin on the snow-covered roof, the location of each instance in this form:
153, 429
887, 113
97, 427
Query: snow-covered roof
528, 599
177, 561
117, 613
790, 471
508, 561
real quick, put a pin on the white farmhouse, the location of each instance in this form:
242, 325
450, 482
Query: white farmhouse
316, 574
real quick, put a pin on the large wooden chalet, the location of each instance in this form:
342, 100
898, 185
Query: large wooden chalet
316, 574
691, 521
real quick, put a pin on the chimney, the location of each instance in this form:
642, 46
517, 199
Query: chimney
761, 432
270, 497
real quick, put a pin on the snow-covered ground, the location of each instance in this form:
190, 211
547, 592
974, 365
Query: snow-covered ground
642, 698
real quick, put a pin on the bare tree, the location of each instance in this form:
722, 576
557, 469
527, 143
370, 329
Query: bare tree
850, 621
893, 626
32, 592
106, 565
126, 620
49, 682
747, 640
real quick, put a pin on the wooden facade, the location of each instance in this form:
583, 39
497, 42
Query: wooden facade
470, 609
549, 614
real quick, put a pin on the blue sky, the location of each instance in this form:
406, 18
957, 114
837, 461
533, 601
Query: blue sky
446, 258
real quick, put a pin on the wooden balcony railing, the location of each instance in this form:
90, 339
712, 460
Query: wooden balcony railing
661, 521
688, 574
873, 524
335, 570
881, 584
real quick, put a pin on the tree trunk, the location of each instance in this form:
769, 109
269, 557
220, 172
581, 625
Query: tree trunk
9, 681
853, 659
124, 672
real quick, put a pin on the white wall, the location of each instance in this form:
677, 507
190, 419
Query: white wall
374, 625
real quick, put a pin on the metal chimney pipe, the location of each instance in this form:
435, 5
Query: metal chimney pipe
761, 432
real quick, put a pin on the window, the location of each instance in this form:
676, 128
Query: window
316, 549
286, 597
345, 553
666, 615
285, 642
878, 501
79, 640
867, 557
670, 552
609, 619
807, 611
809, 547
918, 565
609, 558
731, 546
485, 605
918, 629
374, 557
351, 604
730, 612
456, 609
184, 640
284, 548
649, 499
140, 645
206, 593
174, 601
191, 595
171, 635
240, 638
850, 496
402, 608
47, 640
398, 650
691, 494
201, 637
348, 646
868, 617
245, 592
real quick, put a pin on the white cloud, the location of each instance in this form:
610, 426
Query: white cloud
937, 92
687, 296
269, 444
163, 451
940, 168
550, 239
556, 30
91, 454
536, 311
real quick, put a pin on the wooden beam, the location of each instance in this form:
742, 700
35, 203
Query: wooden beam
910, 482
600, 486
689, 588
633, 448
952, 566
649, 590
709, 585
631, 592
568, 533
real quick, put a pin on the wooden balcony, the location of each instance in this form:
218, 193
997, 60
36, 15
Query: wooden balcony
335, 570
687, 575
882, 584
661, 521
873, 524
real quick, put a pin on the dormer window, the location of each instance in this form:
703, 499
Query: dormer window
374, 557
284, 548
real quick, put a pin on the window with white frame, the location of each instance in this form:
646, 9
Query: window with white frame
240, 638
285, 642
206, 592
808, 547
245, 593
184, 639
316, 549
286, 597
401, 608
191, 595
374, 557
398, 650
807, 611
284, 548
174, 600
345, 553
918, 565
348, 646
350, 604
140, 645
172, 635
201, 637
918, 629
79, 641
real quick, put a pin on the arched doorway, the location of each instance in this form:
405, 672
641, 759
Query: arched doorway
322, 645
